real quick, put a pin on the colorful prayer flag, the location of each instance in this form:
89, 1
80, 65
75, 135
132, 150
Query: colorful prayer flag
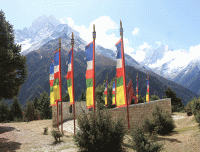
90, 75
51, 80
105, 94
136, 101
70, 74
55, 79
113, 94
121, 99
147, 94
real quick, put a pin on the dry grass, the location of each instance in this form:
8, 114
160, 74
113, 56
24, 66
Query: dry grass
29, 137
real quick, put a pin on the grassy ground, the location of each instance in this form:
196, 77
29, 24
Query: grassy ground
29, 137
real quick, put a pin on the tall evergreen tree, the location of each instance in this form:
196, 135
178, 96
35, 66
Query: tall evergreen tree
35, 102
30, 111
15, 110
83, 96
44, 106
13, 69
175, 102
65, 97
4, 111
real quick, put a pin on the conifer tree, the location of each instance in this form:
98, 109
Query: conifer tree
44, 106
15, 110
36, 102
13, 66
30, 111
175, 102
4, 111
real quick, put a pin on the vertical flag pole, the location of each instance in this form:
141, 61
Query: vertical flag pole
94, 37
57, 109
121, 34
60, 84
72, 43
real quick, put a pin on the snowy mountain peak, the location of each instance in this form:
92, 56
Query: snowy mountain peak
39, 22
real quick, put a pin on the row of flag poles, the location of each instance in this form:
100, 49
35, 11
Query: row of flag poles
119, 89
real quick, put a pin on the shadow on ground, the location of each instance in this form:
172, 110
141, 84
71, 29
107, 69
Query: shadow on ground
8, 146
5, 129
167, 139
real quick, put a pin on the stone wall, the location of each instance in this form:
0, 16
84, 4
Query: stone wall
79, 107
137, 112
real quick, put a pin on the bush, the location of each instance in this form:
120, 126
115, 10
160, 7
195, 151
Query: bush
188, 108
154, 97
161, 123
197, 117
142, 142
56, 134
99, 132
15, 110
4, 111
18, 119
45, 131
195, 105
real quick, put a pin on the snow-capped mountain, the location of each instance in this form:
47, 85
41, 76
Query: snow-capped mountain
186, 74
154, 61
43, 29
189, 76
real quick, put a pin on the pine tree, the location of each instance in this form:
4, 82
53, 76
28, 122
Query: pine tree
15, 110
44, 106
13, 66
4, 111
36, 102
30, 111
65, 97
83, 96
175, 102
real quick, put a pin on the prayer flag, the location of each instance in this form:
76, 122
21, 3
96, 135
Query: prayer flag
121, 99
70, 74
90, 75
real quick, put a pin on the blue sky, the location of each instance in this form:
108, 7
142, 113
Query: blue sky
146, 24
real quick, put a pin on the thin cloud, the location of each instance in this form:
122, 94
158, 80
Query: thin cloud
140, 53
103, 39
181, 57
135, 31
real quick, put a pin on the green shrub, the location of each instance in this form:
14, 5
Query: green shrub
154, 97
4, 111
143, 143
56, 134
99, 132
160, 123
197, 117
45, 131
195, 105
188, 108
16, 119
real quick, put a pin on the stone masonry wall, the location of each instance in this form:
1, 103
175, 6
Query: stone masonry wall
137, 112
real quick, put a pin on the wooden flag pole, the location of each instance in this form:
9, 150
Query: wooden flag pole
60, 85
121, 34
72, 43
94, 37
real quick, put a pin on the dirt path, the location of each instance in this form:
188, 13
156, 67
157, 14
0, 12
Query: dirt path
29, 137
